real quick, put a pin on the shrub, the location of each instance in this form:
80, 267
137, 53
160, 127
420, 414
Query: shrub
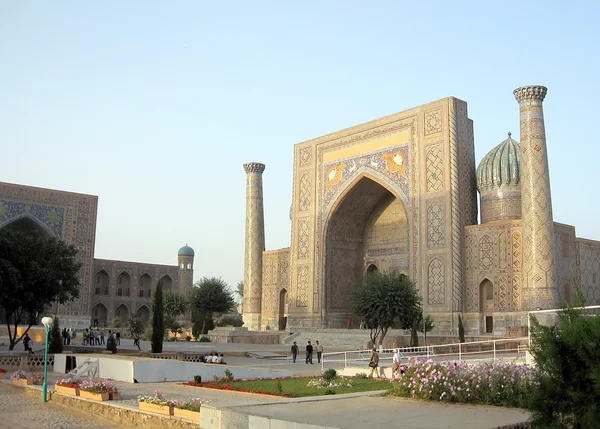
569, 381
158, 320
197, 379
97, 386
68, 382
230, 320
361, 375
329, 392
204, 339
228, 375
497, 383
329, 374
193, 404
279, 387
158, 399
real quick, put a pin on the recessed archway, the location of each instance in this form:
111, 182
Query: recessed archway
144, 285
283, 304
369, 222
99, 315
122, 313
486, 302
123, 284
166, 282
102, 280
372, 269
27, 224
143, 313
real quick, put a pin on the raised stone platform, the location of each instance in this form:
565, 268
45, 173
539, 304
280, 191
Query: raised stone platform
133, 369
241, 335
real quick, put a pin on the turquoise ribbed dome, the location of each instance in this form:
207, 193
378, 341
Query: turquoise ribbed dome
186, 251
501, 167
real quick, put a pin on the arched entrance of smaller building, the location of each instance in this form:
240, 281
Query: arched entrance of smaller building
122, 313
99, 315
143, 314
283, 305
372, 269
486, 298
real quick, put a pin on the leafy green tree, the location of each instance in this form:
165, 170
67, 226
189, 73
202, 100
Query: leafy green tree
461, 330
55, 342
383, 300
135, 329
240, 289
425, 325
158, 320
115, 323
568, 357
175, 304
35, 272
211, 295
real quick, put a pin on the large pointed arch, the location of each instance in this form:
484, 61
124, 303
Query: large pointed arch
343, 237
26, 222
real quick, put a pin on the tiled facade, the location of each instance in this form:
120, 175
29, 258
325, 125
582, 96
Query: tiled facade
109, 288
400, 193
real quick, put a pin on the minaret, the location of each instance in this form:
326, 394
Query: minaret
255, 245
539, 270
185, 260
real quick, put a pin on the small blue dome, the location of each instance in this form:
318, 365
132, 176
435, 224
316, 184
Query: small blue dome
186, 251
500, 167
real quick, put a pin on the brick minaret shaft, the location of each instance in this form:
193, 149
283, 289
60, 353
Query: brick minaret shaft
255, 245
539, 270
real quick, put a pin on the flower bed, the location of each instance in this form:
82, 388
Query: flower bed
156, 404
189, 409
68, 386
26, 378
99, 390
497, 383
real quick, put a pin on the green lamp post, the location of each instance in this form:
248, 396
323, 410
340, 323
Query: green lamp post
47, 322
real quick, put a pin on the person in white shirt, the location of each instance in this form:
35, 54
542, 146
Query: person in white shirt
396, 361
215, 358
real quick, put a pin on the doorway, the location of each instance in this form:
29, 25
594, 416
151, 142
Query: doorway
489, 324
282, 309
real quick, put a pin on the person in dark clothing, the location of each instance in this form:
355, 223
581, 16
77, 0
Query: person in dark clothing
309, 353
26, 340
294, 351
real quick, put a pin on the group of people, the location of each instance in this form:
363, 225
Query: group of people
309, 352
91, 336
397, 366
213, 358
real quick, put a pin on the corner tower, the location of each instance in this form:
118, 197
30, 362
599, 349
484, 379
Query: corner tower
185, 260
539, 270
255, 245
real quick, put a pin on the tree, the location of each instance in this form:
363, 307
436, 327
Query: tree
211, 295
158, 320
384, 299
115, 323
35, 272
135, 329
461, 330
568, 357
55, 342
425, 325
240, 289
414, 336
174, 304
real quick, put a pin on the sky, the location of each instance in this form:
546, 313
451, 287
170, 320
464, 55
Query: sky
154, 106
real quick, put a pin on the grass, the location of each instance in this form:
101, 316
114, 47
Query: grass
296, 387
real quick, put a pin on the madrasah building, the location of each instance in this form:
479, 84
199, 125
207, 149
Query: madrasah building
401, 193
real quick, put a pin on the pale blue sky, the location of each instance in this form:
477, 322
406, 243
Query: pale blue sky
155, 106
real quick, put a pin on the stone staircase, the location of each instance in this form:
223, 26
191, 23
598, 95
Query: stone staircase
348, 339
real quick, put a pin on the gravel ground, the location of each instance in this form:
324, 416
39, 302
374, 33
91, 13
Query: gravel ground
18, 411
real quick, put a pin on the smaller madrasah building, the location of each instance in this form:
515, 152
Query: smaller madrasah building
110, 288
401, 193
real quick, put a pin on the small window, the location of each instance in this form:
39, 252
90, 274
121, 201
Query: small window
189, 266
119, 292
182, 265
126, 292
97, 291
141, 293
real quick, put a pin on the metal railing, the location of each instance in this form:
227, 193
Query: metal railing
475, 351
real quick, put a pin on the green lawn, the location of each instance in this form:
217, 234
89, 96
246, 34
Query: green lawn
297, 387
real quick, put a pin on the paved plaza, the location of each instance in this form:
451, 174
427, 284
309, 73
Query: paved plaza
352, 411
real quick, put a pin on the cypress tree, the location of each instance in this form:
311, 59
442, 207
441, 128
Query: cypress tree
461, 330
55, 342
158, 320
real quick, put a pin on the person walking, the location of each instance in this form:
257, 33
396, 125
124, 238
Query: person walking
102, 337
26, 340
309, 353
396, 360
319, 348
294, 351
374, 362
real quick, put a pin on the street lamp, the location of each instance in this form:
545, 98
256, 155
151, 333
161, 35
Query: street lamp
47, 322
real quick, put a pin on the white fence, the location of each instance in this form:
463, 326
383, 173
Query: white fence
477, 351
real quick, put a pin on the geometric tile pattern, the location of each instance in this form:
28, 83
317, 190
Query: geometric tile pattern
435, 225
304, 200
302, 281
502, 252
516, 292
433, 122
275, 278
52, 217
435, 169
436, 282
255, 238
456, 220
516, 250
303, 239
503, 293
539, 276
485, 252
305, 156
